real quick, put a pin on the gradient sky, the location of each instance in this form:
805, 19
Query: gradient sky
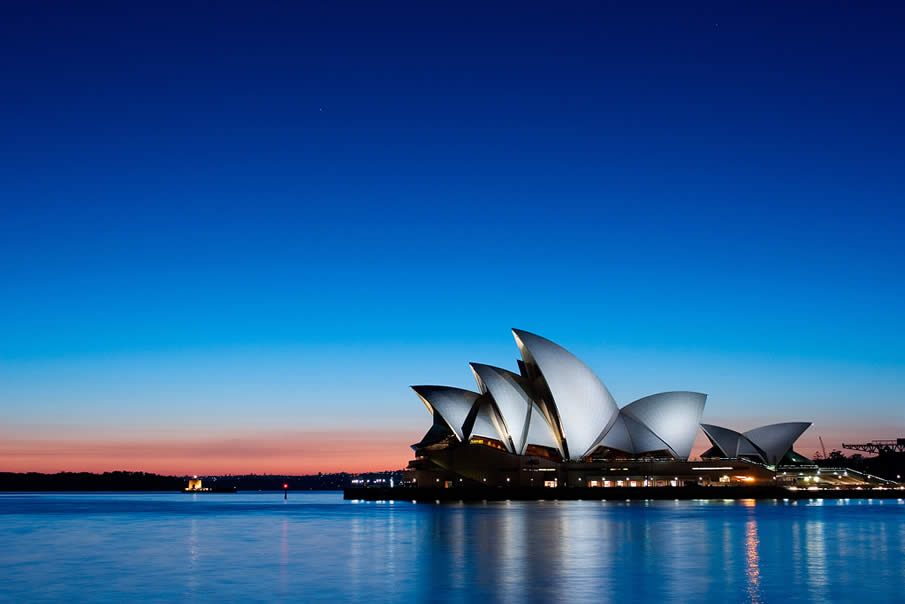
232, 235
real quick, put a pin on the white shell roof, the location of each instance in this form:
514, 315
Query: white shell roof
453, 404
575, 412
540, 432
673, 417
585, 406
511, 400
643, 439
618, 437
487, 424
771, 442
777, 439
728, 441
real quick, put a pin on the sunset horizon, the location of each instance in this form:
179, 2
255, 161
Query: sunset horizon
287, 243
452, 302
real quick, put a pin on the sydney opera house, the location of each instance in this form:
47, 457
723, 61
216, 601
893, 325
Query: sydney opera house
555, 424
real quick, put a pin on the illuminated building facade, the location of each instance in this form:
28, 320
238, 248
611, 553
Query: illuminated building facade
555, 423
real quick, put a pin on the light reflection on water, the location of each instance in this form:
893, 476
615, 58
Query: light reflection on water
752, 567
316, 547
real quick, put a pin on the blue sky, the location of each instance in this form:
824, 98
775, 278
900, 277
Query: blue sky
232, 219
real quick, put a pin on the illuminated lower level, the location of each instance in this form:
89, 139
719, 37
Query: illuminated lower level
477, 464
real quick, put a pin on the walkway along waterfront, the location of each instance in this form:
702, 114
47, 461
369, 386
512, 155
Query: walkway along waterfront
431, 494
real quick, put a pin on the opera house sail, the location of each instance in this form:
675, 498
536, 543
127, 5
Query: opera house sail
769, 444
555, 420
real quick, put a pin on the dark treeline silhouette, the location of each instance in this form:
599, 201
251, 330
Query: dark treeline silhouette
143, 481
311, 482
84, 481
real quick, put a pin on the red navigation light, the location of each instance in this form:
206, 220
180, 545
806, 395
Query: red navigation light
285, 486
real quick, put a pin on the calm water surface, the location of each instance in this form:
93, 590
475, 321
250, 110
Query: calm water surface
108, 547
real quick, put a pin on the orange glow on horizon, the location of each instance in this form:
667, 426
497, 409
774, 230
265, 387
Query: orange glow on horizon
306, 453
253, 453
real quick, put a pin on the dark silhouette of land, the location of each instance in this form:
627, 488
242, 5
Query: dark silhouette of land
143, 481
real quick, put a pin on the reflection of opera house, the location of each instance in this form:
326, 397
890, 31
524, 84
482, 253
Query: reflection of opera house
556, 424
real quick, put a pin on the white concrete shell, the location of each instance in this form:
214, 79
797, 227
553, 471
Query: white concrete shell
584, 406
453, 405
438, 431
540, 432
618, 437
729, 442
558, 402
770, 443
511, 400
643, 439
488, 423
673, 417
776, 440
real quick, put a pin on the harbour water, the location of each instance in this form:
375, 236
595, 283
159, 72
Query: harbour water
110, 547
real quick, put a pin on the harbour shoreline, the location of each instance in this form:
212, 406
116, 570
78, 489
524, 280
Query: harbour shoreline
471, 494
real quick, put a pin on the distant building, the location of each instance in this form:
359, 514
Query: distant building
555, 423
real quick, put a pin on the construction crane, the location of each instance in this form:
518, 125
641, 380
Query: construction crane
879, 446
822, 446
